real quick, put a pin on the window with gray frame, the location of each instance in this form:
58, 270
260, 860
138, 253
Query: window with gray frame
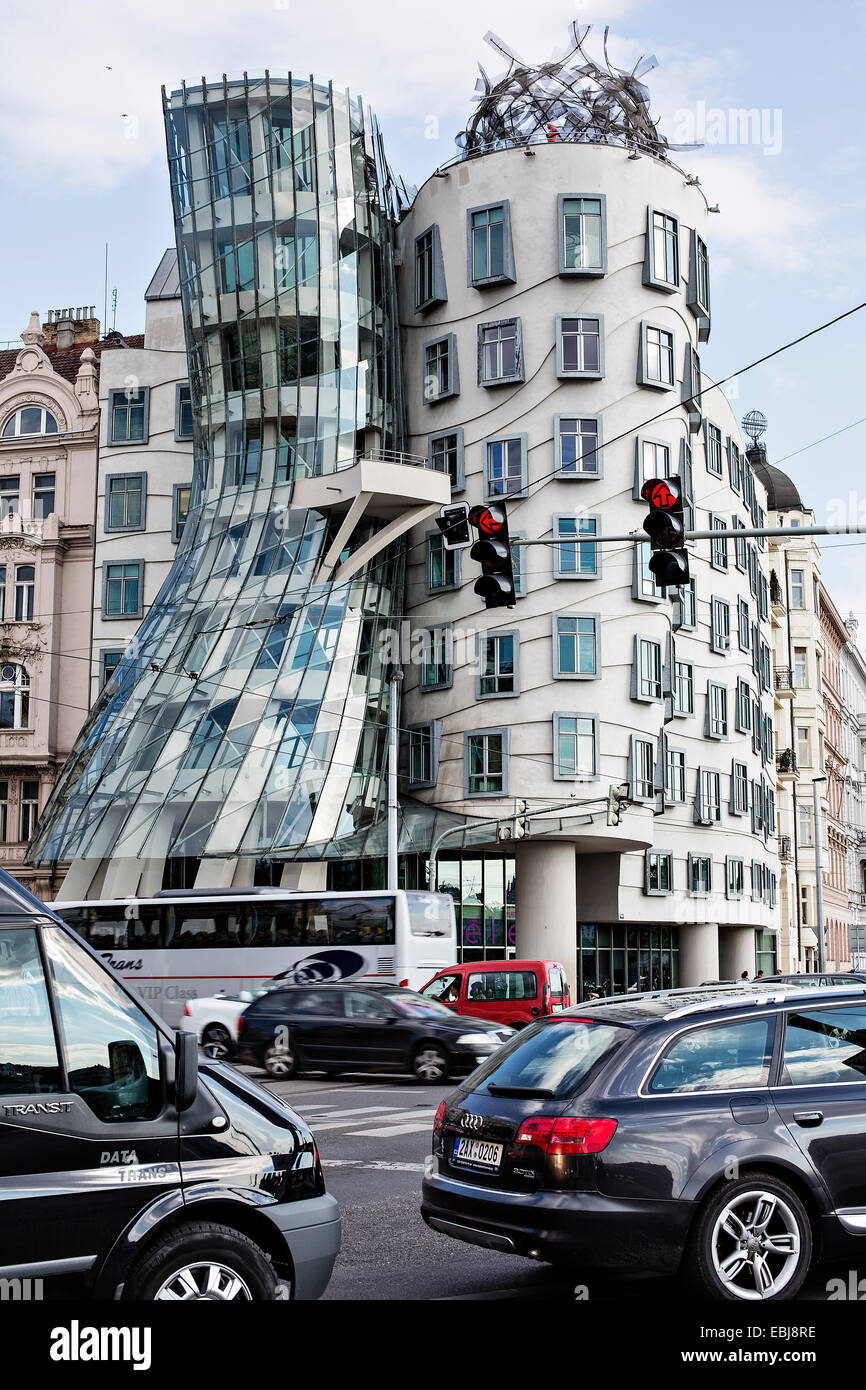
180, 495
684, 688
656, 357
125, 498
500, 353
717, 711
645, 587
641, 769
658, 873
576, 643
734, 471
445, 455
713, 449
424, 741
490, 250
518, 561
182, 411
708, 803
505, 466
577, 554
122, 586
429, 270
578, 446
675, 775
109, 660
698, 291
692, 388
128, 416
437, 668
498, 668
580, 346
743, 625
743, 708
575, 746
582, 233
662, 258
685, 613
646, 682
652, 460
486, 762
734, 877
700, 874
443, 566
718, 544
441, 376
720, 625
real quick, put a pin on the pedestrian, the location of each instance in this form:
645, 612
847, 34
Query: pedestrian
760, 975
745, 975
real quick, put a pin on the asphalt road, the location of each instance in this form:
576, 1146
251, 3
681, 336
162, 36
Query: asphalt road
373, 1134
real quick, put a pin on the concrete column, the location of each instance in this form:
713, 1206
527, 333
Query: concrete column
546, 907
736, 952
699, 952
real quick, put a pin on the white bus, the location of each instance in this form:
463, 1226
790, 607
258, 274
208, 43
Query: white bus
189, 943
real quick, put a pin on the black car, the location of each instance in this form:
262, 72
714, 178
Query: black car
345, 1027
721, 1132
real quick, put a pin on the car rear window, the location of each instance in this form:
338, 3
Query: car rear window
556, 1057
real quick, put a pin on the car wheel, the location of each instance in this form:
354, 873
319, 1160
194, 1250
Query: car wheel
216, 1041
280, 1061
203, 1262
430, 1063
752, 1241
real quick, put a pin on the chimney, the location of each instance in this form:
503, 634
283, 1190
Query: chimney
65, 336
67, 328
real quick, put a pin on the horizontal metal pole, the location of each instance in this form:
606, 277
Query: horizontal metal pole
744, 533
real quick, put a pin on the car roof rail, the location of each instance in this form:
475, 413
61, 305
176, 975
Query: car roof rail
772, 996
723, 996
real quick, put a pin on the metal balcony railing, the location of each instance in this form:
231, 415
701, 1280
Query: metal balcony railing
785, 851
777, 596
783, 678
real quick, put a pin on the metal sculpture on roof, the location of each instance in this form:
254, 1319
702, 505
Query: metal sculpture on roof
570, 98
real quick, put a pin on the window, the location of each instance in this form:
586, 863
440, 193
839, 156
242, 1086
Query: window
4, 825
500, 353
29, 809
686, 606
9, 497
128, 412
708, 810
739, 789
675, 776
684, 688
647, 674
734, 470
429, 270
700, 868
437, 659
108, 662
28, 1054
662, 260
122, 590
713, 449
698, 292
740, 554
575, 746
498, 664
29, 420
443, 566
578, 443
580, 347
491, 257
692, 388
2, 593
486, 762
505, 471
804, 747
237, 264
14, 697
800, 676
718, 544
43, 495
722, 1057
717, 710
720, 630
445, 455
734, 878
424, 742
25, 590
243, 454
645, 587
179, 509
743, 708
575, 558
805, 826
652, 460
582, 234
208, 735
125, 502
656, 357
576, 646
183, 411
743, 628
111, 1047
658, 873
798, 589
518, 556
825, 1047
641, 773
297, 256
441, 377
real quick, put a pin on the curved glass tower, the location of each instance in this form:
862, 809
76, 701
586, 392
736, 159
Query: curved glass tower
249, 716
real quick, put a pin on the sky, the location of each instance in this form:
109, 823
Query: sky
82, 163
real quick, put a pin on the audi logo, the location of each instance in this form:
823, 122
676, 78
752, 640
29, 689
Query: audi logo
472, 1121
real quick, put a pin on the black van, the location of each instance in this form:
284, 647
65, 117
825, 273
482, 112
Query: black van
128, 1168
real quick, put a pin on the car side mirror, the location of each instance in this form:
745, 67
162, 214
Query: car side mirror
185, 1070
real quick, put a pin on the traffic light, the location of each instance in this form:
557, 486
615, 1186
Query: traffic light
518, 827
453, 522
493, 552
666, 528
616, 803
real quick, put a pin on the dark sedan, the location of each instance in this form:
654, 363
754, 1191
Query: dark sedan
345, 1027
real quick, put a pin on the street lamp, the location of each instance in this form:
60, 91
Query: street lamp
822, 949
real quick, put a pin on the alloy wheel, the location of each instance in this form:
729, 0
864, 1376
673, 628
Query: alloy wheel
755, 1245
430, 1065
208, 1281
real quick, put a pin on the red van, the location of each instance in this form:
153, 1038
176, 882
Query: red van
504, 991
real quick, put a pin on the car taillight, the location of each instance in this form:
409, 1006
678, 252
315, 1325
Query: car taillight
240, 1024
439, 1119
566, 1134
404, 984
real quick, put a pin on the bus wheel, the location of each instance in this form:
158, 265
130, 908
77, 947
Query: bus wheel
280, 1061
430, 1063
203, 1262
216, 1041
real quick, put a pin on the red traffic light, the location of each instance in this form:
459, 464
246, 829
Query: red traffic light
488, 520
660, 494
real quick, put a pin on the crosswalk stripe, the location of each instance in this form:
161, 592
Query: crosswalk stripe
389, 1119
387, 1130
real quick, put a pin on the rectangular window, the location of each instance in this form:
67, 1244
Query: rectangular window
675, 776
109, 662
445, 455
734, 878
700, 875
804, 747
579, 346
500, 355
649, 669
442, 565
720, 631
577, 446
575, 558
699, 289
183, 412
429, 270
656, 358
662, 262
237, 264
29, 809
739, 789
179, 509
491, 258
423, 754
659, 872
798, 589
498, 657
124, 502
734, 471
2, 593
642, 769
4, 810
297, 256
437, 660
684, 688
576, 644
505, 471
575, 746
800, 672
743, 628
740, 554
9, 497
645, 586
43, 495
713, 449
122, 590
743, 710
25, 592
718, 544
486, 762
441, 377
686, 606
582, 234
128, 412
653, 460
709, 796
717, 710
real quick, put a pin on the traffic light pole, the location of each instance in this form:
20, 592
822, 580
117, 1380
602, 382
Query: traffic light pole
746, 533
498, 820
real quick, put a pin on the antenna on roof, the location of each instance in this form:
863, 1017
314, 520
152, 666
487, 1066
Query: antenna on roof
113, 308
105, 293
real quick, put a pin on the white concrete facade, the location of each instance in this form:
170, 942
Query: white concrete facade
613, 874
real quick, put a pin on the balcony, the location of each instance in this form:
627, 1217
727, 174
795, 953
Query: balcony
786, 854
783, 683
786, 765
777, 596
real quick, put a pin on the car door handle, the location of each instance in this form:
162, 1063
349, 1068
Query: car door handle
808, 1119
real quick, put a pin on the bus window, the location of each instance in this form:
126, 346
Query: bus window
211, 924
350, 922
277, 925
430, 914
117, 926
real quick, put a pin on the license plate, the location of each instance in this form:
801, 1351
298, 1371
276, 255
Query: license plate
477, 1152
